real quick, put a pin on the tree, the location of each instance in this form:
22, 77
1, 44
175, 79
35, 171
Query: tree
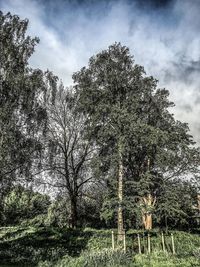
163, 157
22, 97
68, 152
176, 205
140, 141
108, 90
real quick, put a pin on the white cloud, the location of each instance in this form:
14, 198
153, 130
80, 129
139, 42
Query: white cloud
166, 42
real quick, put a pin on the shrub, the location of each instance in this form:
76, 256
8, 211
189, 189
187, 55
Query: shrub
23, 204
58, 213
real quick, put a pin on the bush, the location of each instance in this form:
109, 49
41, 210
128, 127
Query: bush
58, 214
22, 204
37, 221
102, 258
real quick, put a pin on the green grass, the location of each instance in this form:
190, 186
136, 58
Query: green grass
90, 248
160, 259
30, 245
109, 258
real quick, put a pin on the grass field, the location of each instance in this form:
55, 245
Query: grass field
47, 247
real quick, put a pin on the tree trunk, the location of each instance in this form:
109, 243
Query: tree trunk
120, 195
166, 225
149, 221
198, 203
73, 215
148, 204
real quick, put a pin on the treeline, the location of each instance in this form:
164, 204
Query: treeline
107, 150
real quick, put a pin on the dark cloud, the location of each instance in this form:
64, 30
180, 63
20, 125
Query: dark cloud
141, 3
197, 100
154, 4
163, 36
187, 107
183, 70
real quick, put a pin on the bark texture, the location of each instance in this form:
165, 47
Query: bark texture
73, 215
120, 196
148, 204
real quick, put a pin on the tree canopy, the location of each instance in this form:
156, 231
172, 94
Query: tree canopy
128, 116
22, 97
109, 145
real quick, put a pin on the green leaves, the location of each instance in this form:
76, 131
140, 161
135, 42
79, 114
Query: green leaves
22, 101
22, 204
122, 103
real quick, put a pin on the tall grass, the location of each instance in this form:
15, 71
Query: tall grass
103, 258
90, 247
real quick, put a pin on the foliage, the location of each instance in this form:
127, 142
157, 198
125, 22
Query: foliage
77, 246
186, 245
159, 259
58, 213
176, 207
24, 205
68, 153
128, 118
90, 206
109, 145
29, 245
22, 109
103, 258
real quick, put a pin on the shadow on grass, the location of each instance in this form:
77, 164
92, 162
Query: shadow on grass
29, 247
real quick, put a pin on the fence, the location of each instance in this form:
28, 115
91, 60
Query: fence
144, 243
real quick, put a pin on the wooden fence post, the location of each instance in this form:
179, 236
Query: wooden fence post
139, 245
163, 242
173, 247
124, 242
148, 243
143, 241
113, 240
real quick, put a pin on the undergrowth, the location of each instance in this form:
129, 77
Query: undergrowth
90, 247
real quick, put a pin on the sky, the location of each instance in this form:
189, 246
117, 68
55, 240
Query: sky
163, 36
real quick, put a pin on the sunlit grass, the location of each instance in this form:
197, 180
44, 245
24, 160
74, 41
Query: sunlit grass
91, 247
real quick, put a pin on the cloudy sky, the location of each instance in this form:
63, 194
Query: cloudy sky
163, 36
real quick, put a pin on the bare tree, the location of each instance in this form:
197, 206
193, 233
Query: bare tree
68, 152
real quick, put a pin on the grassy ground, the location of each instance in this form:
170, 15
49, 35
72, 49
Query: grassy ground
90, 248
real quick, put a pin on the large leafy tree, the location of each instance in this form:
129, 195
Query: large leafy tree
22, 94
141, 144
109, 91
